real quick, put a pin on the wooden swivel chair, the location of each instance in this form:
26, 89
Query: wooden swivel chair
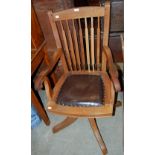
87, 87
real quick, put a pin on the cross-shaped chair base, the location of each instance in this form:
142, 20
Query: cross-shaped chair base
69, 120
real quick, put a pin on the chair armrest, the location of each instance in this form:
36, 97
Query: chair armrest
112, 69
46, 68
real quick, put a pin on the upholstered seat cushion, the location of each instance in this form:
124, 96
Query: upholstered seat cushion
81, 90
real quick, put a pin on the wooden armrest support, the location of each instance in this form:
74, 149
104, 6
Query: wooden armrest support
114, 77
112, 69
48, 90
46, 69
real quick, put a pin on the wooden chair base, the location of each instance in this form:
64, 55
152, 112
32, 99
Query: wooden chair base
69, 120
65, 123
97, 134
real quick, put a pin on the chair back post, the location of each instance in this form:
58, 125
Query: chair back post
106, 23
55, 31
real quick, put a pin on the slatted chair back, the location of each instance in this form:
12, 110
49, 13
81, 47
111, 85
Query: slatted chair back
75, 31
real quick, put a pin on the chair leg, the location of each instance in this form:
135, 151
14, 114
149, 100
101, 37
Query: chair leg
41, 111
118, 104
97, 134
65, 123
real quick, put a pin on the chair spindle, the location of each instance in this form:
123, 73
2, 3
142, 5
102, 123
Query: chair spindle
98, 44
87, 44
81, 46
71, 48
76, 46
66, 47
92, 43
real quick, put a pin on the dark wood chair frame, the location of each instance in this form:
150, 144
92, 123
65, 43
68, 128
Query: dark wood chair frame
72, 65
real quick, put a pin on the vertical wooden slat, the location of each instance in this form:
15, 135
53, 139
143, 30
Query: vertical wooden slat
87, 44
92, 43
65, 67
106, 23
66, 47
71, 47
81, 45
98, 44
104, 61
76, 46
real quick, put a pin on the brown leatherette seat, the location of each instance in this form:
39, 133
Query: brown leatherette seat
82, 90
